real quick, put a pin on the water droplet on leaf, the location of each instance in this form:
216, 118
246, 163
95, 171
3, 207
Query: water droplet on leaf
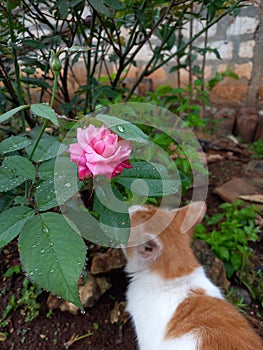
120, 128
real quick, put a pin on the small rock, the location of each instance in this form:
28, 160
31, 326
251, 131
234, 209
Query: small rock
211, 158
241, 295
231, 190
226, 144
53, 302
92, 290
119, 314
214, 267
246, 123
259, 220
89, 293
112, 259
255, 166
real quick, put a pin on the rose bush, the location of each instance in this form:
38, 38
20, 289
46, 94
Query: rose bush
53, 214
99, 152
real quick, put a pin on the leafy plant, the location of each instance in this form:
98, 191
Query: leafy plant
37, 177
106, 44
27, 303
252, 279
233, 297
257, 149
235, 227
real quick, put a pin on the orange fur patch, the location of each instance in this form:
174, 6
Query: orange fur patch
217, 324
177, 258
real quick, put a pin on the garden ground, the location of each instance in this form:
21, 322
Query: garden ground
95, 330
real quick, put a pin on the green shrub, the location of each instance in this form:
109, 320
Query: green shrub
229, 240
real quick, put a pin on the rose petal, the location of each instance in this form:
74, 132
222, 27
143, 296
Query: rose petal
83, 172
99, 152
77, 154
99, 147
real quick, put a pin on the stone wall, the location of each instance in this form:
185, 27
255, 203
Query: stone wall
240, 44
238, 103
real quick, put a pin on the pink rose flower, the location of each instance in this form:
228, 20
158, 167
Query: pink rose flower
99, 152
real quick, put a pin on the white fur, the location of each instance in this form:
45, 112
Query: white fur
152, 301
134, 208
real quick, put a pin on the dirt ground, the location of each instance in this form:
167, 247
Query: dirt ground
51, 333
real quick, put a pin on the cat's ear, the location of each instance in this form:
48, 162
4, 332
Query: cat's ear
192, 215
150, 250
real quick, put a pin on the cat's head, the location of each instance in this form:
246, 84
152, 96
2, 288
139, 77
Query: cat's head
160, 239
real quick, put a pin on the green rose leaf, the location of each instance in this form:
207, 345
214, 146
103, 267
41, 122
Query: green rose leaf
53, 255
148, 179
99, 6
87, 224
46, 169
114, 4
10, 113
47, 148
114, 223
20, 165
35, 81
124, 129
44, 111
14, 171
60, 183
14, 143
116, 226
12, 222
45, 196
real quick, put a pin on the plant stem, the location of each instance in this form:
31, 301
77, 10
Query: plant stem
16, 65
54, 90
46, 120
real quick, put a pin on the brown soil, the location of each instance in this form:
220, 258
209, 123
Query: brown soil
50, 333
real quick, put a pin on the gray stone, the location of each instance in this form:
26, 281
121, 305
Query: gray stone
213, 266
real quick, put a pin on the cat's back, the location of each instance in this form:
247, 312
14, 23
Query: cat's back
174, 306
213, 322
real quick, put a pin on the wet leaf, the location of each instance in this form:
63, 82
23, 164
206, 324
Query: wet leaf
14, 171
53, 255
14, 143
44, 111
125, 130
12, 222
49, 147
149, 180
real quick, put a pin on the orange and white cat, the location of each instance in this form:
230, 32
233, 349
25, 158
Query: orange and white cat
174, 306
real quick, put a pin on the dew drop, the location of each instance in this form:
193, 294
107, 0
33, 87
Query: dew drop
52, 270
120, 128
82, 312
67, 184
